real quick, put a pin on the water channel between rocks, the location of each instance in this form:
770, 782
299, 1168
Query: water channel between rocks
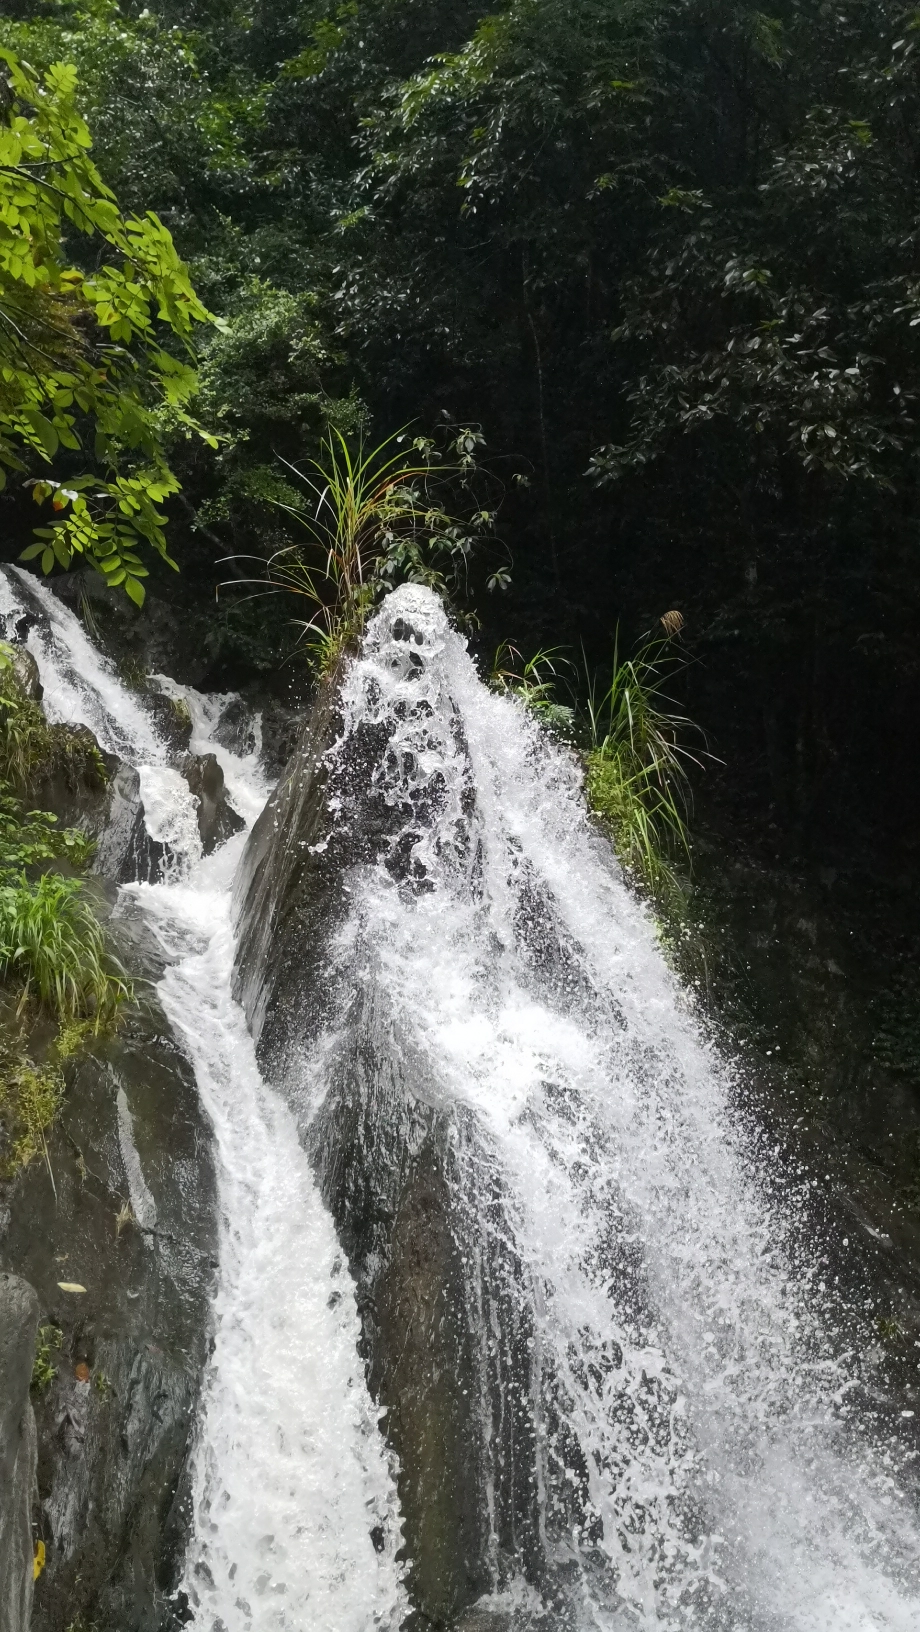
518, 1321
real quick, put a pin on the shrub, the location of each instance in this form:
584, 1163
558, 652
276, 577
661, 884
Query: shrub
374, 519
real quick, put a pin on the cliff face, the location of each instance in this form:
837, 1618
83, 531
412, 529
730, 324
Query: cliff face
380, 1148
124, 1207
19, 1312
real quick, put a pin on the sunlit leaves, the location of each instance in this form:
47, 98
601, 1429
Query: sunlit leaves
83, 364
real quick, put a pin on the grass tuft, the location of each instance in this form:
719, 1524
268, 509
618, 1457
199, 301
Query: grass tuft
633, 745
371, 520
636, 768
51, 942
44, 1369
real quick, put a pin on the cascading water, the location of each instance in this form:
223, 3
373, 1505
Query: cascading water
652, 1335
684, 1379
294, 1520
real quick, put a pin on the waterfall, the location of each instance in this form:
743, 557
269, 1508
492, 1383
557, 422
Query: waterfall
294, 1521
665, 1388
648, 1293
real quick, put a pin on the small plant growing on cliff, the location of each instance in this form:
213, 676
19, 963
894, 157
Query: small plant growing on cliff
633, 747
30, 1099
373, 520
636, 766
44, 1369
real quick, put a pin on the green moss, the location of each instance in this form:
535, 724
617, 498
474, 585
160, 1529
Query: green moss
30, 1099
74, 1036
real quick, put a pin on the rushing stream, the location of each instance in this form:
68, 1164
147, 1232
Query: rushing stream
648, 1297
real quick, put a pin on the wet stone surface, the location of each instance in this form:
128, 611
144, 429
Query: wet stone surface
124, 1207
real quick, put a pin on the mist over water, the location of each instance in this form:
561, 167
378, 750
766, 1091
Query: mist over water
650, 1301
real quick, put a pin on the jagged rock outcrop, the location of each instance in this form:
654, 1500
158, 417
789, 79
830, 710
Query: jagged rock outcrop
381, 1152
19, 1313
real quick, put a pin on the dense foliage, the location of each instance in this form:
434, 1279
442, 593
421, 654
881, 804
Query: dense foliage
664, 254
80, 354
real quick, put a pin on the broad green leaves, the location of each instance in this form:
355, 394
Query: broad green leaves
84, 368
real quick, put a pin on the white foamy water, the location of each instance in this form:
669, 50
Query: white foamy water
702, 1457
295, 1523
295, 1516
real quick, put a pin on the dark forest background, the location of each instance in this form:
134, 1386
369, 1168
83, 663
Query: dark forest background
664, 255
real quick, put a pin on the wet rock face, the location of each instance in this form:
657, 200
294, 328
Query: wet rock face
125, 1207
18, 1327
235, 729
25, 669
378, 1148
125, 852
173, 721
74, 784
383, 1157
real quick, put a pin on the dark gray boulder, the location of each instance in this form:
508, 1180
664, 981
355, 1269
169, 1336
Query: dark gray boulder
236, 728
172, 718
217, 819
19, 1313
